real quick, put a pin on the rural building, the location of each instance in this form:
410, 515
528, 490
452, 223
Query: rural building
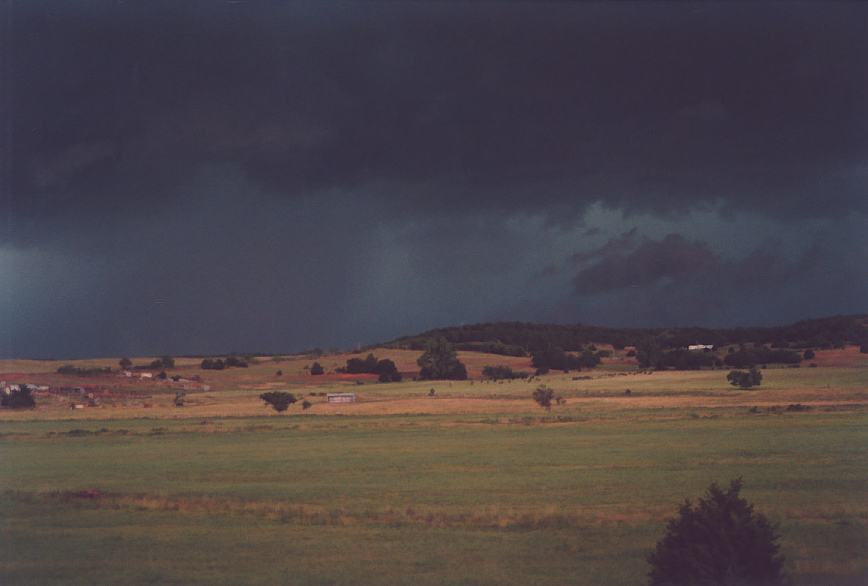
701, 347
341, 397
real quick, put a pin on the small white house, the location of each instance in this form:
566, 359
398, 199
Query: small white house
341, 397
701, 347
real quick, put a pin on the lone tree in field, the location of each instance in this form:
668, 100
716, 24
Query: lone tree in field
721, 542
125, 363
544, 395
745, 379
280, 400
316, 368
440, 362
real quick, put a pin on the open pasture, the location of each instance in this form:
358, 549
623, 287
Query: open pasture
474, 485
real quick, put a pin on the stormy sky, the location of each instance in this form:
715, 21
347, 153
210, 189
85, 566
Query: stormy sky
204, 177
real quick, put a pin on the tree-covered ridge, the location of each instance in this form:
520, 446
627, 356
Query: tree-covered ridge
512, 337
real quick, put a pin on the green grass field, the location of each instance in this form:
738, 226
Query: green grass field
405, 490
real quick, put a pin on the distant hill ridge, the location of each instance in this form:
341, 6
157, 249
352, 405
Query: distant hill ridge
518, 338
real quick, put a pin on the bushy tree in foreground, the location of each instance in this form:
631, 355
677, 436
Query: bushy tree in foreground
721, 542
279, 400
439, 361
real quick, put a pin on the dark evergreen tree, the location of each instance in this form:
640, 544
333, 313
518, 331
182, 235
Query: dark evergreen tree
721, 541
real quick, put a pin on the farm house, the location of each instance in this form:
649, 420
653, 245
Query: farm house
341, 397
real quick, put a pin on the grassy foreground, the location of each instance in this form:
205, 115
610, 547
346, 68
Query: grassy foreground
427, 499
474, 484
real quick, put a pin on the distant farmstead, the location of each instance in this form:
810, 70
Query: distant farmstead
701, 347
341, 397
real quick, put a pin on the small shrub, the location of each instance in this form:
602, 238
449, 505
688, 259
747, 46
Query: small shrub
809, 354
543, 396
306, 405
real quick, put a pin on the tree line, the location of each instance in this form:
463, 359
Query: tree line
511, 338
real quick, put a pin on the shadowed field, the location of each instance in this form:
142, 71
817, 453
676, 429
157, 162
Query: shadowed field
476, 485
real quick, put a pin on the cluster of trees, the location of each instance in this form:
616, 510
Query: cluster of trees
555, 358
83, 370
386, 369
158, 363
682, 359
163, 362
495, 347
440, 362
650, 354
220, 364
502, 373
529, 337
20, 398
746, 357
745, 379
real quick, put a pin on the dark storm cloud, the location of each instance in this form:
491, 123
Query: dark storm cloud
202, 177
648, 263
674, 280
443, 106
